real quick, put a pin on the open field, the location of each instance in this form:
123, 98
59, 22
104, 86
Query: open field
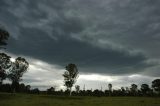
45, 100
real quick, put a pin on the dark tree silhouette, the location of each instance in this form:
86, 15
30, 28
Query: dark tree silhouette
27, 88
2, 75
156, 85
4, 59
123, 91
21, 87
77, 87
3, 37
35, 91
51, 90
134, 89
19, 67
97, 92
70, 76
110, 89
5, 64
145, 88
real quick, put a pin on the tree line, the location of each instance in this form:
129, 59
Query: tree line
133, 90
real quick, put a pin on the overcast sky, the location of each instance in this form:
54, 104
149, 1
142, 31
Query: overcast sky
110, 41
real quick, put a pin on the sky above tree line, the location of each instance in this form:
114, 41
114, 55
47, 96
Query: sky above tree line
110, 41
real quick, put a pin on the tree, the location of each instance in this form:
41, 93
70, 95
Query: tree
4, 35
127, 90
123, 91
156, 85
27, 88
35, 91
134, 89
5, 64
97, 92
2, 75
51, 90
21, 87
70, 76
4, 59
145, 88
110, 89
19, 67
77, 87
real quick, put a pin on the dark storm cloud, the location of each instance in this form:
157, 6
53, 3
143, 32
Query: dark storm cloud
112, 37
84, 55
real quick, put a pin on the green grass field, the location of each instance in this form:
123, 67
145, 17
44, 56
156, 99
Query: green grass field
45, 100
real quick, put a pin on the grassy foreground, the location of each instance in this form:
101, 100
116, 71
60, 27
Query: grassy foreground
45, 100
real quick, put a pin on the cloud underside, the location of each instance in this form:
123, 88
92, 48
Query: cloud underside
113, 37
